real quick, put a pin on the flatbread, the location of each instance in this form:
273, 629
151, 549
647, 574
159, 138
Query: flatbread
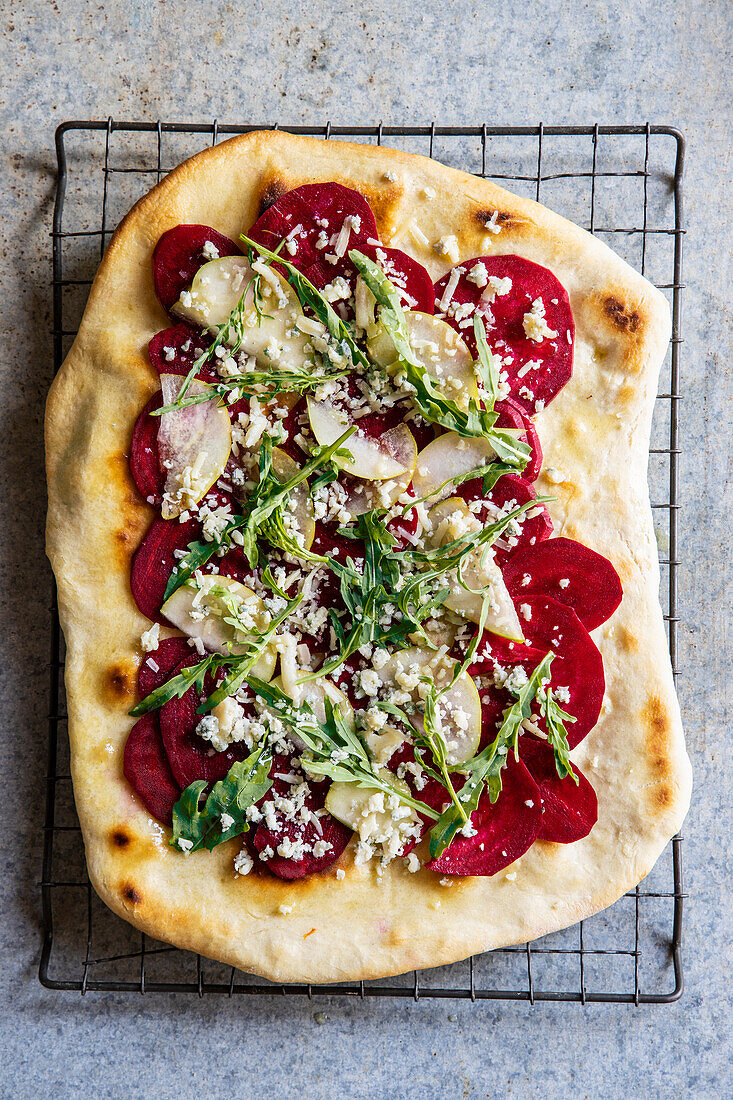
595, 437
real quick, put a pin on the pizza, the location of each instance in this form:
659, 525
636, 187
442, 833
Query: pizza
366, 668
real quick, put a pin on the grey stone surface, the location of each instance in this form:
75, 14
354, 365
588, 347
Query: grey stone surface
504, 63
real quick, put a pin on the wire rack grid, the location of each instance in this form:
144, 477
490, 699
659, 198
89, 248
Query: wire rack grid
624, 183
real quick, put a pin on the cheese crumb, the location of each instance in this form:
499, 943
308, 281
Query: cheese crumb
447, 246
535, 325
150, 639
243, 862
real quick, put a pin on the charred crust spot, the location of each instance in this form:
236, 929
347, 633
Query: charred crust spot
120, 682
663, 796
626, 640
504, 219
132, 894
119, 838
383, 201
273, 190
658, 725
656, 716
624, 319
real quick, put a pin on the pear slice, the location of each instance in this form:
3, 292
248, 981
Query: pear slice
460, 705
202, 613
365, 305
450, 519
375, 458
314, 692
438, 347
300, 505
383, 744
378, 818
363, 496
271, 335
446, 457
194, 444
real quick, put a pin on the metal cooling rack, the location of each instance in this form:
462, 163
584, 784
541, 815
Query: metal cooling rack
625, 184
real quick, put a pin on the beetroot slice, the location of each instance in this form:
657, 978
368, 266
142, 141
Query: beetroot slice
512, 415
503, 319
154, 560
144, 460
319, 209
179, 254
174, 351
569, 812
592, 587
190, 756
578, 665
504, 829
408, 276
146, 768
170, 652
333, 832
510, 492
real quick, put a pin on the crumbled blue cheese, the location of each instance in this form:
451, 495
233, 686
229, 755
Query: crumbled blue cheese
243, 862
150, 639
535, 324
226, 725
448, 246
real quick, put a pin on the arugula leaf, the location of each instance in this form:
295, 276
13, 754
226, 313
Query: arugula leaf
177, 686
490, 472
429, 736
257, 383
314, 300
333, 747
485, 769
557, 735
486, 363
428, 398
245, 783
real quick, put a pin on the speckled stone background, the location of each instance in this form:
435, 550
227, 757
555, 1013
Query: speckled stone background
505, 63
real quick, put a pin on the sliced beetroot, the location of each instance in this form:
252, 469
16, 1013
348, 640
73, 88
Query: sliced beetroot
493, 650
175, 350
403, 527
327, 541
503, 317
155, 557
190, 756
505, 829
577, 666
512, 415
170, 652
147, 770
154, 560
569, 811
144, 459
570, 573
408, 275
179, 254
330, 830
510, 492
312, 217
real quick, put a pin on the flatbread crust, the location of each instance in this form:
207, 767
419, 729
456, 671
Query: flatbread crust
595, 437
